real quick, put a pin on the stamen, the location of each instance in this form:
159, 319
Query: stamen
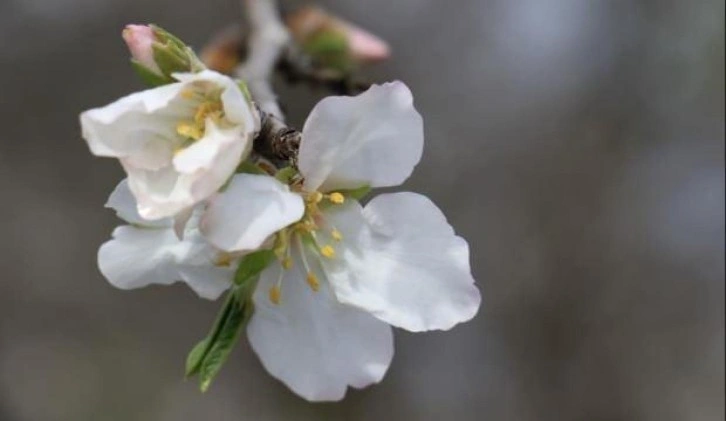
276, 290
224, 260
336, 198
337, 235
188, 94
327, 251
189, 130
312, 280
287, 263
275, 294
315, 197
302, 255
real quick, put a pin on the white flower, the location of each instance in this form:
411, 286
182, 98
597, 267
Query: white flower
347, 272
179, 143
149, 252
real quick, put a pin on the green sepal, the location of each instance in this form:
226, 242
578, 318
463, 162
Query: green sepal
252, 265
148, 76
247, 167
170, 61
285, 175
357, 193
245, 90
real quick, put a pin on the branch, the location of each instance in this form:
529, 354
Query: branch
268, 37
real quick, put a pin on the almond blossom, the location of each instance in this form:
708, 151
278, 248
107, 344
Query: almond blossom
345, 273
178, 143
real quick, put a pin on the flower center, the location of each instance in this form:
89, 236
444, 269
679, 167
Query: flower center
311, 237
209, 107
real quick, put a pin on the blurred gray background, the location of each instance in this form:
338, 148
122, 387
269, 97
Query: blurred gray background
577, 145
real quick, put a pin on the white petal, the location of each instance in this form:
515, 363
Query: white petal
375, 138
252, 208
198, 269
124, 203
131, 124
401, 261
204, 153
315, 345
137, 257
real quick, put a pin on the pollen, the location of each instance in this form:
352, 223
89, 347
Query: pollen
287, 263
315, 197
223, 260
190, 130
328, 251
312, 280
336, 198
187, 94
275, 294
337, 235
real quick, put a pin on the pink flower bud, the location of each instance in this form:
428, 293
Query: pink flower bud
140, 39
362, 45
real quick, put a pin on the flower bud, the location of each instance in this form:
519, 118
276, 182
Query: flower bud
139, 39
333, 42
156, 54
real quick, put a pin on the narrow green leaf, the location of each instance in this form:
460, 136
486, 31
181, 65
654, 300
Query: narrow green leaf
200, 350
252, 264
226, 340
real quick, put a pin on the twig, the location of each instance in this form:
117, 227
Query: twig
268, 36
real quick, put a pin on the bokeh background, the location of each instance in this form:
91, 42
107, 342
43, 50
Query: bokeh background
577, 145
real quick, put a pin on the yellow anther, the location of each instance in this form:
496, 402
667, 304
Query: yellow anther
337, 235
315, 197
224, 260
312, 280
190, 130
275, 294
336, 198
187, 94
287, 263
328, 251
306, 226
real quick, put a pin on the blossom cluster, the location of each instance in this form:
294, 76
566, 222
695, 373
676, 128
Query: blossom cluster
315, 277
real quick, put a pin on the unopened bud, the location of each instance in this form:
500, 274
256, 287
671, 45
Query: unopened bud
156, 54
334, 42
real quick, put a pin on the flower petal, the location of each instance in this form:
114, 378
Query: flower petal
131, 124
198, 269
315, 345
252, 208
375, 138
137, 257
124, 203
401, 261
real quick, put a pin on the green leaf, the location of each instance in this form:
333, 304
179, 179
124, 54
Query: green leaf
357, 193
227, 337
285, 175
252, 264
199, 352
247, 167
148, 76
195, 357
